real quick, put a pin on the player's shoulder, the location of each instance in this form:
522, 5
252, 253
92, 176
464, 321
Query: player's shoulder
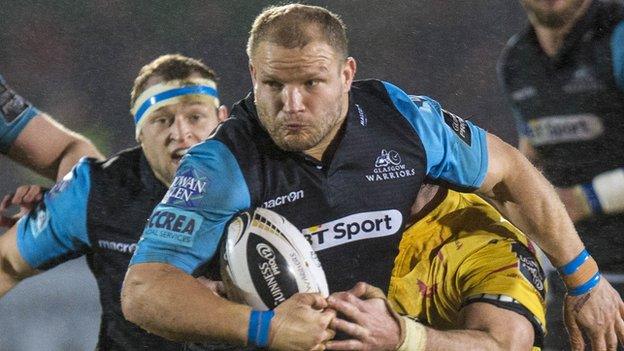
123, 168
78, 179
368, 86
386, 91
411, 106
122, 159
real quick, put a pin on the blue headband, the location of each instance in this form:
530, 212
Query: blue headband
172, 93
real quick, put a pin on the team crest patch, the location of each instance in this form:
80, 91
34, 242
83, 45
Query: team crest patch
459, 126
186, 190
530, 267
173, 226
388, 165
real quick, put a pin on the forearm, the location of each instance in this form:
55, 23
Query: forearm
481, 327
462, 340
165, 301
13, 268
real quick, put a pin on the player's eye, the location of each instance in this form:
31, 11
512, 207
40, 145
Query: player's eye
160, 120
312, 83
275, 85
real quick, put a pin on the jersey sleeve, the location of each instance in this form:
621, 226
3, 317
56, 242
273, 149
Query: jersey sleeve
10, 128
617, 49
185, 229
507, 274
56, 231
456, 150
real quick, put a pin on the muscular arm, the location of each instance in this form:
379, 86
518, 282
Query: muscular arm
180, 308
50, 149
484, 327
166, 301
512, 180
514, 183
13, 268
373, 326
525, 147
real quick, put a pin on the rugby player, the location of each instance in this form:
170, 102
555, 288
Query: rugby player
99, 209
356, 152
464, 272
564, 77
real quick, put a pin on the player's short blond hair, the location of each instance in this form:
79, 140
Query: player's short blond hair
169, 67
296, 25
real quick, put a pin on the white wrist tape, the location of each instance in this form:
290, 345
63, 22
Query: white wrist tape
609, 188
415, 336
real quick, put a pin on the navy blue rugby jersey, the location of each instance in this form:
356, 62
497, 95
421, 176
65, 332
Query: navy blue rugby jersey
352, 206
98, 210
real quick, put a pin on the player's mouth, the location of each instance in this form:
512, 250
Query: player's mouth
553, 3
294, 127
177, 154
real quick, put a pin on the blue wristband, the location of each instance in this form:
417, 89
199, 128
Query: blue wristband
586, 287
574, 265
592, 197
259, 326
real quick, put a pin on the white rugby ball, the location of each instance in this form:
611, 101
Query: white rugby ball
265, 260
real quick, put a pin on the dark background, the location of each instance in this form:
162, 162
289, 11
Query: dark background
77, 60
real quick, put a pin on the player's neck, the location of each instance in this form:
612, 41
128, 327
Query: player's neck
551, 39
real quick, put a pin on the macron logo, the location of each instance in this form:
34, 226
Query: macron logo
284, 199
115, 246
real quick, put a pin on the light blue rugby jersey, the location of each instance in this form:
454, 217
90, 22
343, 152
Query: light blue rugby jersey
56, 230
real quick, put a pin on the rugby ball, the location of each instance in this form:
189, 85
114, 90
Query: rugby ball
265, 259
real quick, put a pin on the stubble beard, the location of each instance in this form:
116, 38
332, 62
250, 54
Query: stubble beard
306, 138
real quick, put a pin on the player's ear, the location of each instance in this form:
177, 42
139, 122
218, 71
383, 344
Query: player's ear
222, 113
348, 73
252, 73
